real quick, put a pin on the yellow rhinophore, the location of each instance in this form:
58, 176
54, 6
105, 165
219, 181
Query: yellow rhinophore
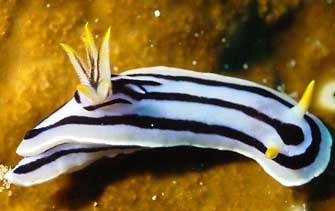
272, 152
306, 99
302, 107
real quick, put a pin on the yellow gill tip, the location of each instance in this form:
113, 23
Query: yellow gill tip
108, 32
67, 48
88, 34
306, 99
272, 152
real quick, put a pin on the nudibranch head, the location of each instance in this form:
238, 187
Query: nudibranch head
95, 78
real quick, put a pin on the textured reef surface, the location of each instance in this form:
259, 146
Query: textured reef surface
282, 44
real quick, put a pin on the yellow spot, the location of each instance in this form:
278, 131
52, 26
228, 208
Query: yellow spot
306, 99
272, 152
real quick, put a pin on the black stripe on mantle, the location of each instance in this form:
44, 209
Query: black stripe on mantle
145, 122
289, 133
201, 81
36, 164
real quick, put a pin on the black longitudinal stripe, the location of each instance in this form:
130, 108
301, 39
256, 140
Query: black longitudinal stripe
108, 103
36, 164
126, 81
146, 122
289, 133
122, 82
253, 89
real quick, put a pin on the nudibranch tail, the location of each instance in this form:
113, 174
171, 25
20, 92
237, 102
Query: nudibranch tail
59, 160
302, 107
95, 78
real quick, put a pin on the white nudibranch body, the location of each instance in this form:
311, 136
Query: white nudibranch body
167, 107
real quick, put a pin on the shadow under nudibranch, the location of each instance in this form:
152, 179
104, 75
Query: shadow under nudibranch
87, 185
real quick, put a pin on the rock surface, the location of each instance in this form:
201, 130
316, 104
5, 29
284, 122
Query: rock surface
281, 44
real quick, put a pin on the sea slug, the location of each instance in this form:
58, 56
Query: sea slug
166, 107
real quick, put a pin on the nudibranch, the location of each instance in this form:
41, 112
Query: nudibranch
167, 107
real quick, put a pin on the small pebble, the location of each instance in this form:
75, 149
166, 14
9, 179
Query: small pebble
292, 63
281, 87
157, 13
